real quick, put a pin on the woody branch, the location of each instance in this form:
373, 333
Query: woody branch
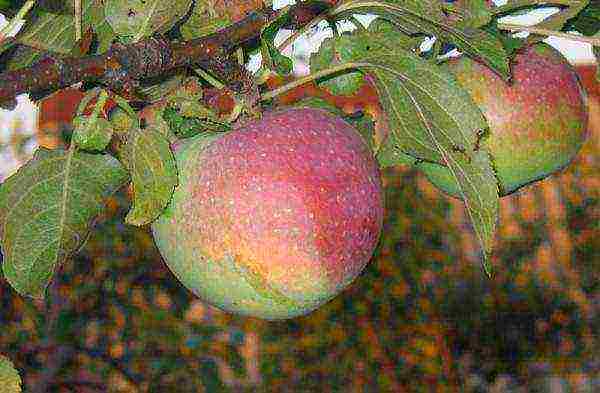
123, 66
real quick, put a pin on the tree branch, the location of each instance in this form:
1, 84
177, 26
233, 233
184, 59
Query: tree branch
536, 30
123, 66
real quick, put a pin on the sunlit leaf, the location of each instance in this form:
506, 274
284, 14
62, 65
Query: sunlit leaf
474, 13
342, 49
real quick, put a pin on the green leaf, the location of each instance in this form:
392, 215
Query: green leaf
156, 91
186, 127
432, 118
365, 126
391, 37
55, 33
412, 19
133, 20
476, 43
479, 187
417, 97
187, 116
338, 50
273, 59
10, 380
381, 36
511, 44
587, 22
153, 174
475, 13
46, 211
91, 133
204, 20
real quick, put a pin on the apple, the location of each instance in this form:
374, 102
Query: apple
274, 218
537, 123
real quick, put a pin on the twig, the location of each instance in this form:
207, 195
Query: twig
78, 13
269, 95
517, 5
535, 30
14, 21
123, 66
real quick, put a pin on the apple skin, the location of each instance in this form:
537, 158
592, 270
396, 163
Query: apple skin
275, 218
538, 123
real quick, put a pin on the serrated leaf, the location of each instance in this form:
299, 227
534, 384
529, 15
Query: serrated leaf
432, 118
46, 211
204, 20
153, 174
55, 33
10, 380
479, 188
476, 43
133, 20
91, 133
418, 96
272, 57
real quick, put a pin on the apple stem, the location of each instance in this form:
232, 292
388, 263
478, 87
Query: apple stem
269, 95
536, 30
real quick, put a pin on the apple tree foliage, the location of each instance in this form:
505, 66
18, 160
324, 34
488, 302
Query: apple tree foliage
48, 207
